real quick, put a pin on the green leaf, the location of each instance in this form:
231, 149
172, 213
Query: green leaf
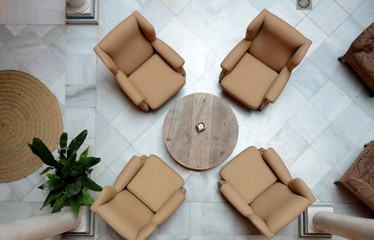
88, 171
88, 183
63, 140
75, 204
62, 202
53, 177
46, 170
66, 170
52, 196
63, 161
63, 145
85, 198
77, 142
87, 162
85, 153
41, 150
74, 188
52, 184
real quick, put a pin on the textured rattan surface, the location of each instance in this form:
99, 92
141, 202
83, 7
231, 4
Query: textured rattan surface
27, 109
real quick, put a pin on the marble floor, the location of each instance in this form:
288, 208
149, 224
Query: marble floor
318, 125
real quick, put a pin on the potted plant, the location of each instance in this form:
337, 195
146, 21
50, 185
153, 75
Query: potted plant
70, 179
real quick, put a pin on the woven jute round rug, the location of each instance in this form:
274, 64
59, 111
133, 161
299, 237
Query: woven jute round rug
27, 110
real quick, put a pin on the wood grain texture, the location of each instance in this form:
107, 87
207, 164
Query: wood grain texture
206, 149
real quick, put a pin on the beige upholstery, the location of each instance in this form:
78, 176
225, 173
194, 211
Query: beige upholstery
260, 187
148, 71
145, 194
258, 68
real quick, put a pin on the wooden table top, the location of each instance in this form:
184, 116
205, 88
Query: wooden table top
206, 149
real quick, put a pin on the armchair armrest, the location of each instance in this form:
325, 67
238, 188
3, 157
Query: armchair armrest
128, 172
107, 60
298, 55
234, 198
131, 91
277, 165
146, 231
261, 225
145, 26
298, 186
278, 85
255, 25
170, 56
105, 196
169, 207
234, 57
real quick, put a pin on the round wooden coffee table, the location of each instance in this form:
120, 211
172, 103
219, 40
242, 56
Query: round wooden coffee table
208, 148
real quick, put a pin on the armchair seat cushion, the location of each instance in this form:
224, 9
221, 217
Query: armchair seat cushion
157, 81
249, 174
249, 81
125, 214
278, 214
155, 173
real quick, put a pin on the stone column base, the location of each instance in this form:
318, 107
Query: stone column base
89, 15
305, 219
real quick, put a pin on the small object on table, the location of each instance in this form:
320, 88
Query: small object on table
200, 126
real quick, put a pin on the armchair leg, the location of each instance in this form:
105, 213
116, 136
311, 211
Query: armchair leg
263, 105
222, 75
342, 59
337, 183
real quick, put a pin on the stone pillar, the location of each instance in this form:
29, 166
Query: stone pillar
344, 226
40, 227
78, 6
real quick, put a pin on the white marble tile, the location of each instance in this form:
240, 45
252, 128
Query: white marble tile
81, 69
16, 13
6, 35
78, 119
288, 144
223, 219
132, 122
49, 66
123, 159
21, 187
309, 123
178, 223
177, 35
349, 5
175, 6
81, 39
286, 11
368, 136
332, 145
301, 79
354, 123
106, 178
326, 57
80, 96
244, 14
310, 167
157, 14
330, 100
110, 100
313, 32
262, 4
347, 32
342, 166
8, 60
5, 191
15, 29
57, 88
36, 195
328, 15
196, 218
50, 12
217, 5
364, 14
327, 191
348, 81
100, 122
110, 145
366, 102
3, 11
60, 42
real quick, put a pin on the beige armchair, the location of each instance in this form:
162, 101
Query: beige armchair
148, 71
258, 68
145, 194
260, 187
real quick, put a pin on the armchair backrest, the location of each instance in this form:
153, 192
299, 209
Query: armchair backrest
275, 42
155, 182
129, 43
249, 174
